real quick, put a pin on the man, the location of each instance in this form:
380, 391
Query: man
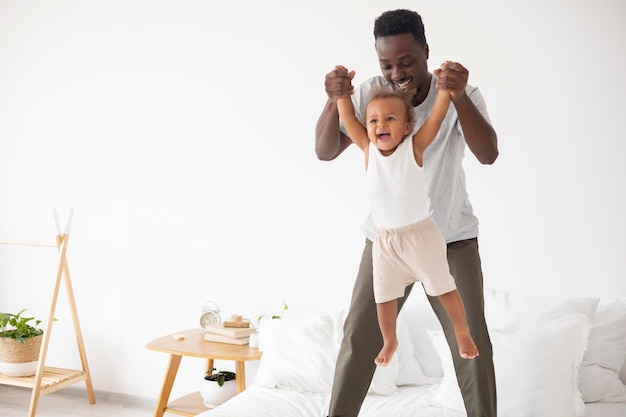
402, 52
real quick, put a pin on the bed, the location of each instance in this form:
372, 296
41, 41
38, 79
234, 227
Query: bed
553, 356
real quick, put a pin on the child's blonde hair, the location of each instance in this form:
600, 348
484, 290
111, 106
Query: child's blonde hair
406, 97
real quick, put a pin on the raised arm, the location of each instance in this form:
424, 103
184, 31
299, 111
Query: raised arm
427, 132
330, 142
356, 131
480, 136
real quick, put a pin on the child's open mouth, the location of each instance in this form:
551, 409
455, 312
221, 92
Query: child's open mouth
382, 137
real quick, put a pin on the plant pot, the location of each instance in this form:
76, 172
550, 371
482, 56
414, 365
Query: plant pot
19, 359
214, 395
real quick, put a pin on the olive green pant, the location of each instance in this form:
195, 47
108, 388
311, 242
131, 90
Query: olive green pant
362, 339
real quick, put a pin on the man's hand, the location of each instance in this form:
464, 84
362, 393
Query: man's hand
338, 83
479, 134
452, 76
330, 142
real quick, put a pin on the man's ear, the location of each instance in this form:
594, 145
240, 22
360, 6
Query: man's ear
426, 51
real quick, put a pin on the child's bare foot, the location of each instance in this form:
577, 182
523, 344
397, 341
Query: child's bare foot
386, 353
467, 348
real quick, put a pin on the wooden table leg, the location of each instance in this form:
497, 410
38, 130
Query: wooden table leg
210, 363
168, 383
240, 370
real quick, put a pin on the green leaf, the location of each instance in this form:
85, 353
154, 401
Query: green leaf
14, 326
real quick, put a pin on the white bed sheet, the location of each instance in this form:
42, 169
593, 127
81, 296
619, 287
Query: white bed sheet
267, 402
409, 401
605, 410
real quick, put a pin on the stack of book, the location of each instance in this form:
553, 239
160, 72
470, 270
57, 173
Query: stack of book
233, 335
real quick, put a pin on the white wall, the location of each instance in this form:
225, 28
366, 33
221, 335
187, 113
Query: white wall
182, 133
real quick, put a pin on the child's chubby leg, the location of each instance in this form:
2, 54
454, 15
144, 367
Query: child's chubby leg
453, 304
387, 316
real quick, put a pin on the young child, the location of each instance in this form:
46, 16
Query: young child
408, 246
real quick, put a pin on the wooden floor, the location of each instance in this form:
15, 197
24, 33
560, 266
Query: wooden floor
73, 401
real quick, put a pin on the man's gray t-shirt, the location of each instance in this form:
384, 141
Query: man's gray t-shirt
443, 163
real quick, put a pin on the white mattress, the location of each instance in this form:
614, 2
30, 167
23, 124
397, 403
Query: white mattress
407, 402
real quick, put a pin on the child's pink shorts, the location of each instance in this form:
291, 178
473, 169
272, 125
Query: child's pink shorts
402, 256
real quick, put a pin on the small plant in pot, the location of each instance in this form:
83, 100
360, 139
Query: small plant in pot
217, 387
20, 343
274, 316
259, 342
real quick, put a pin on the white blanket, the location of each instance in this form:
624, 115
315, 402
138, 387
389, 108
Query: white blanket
407, 402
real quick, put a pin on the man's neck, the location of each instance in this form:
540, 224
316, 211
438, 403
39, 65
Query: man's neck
422, 92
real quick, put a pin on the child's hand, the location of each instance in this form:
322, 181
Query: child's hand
452, 77
438, 72
342, 68
339, 83
441, 68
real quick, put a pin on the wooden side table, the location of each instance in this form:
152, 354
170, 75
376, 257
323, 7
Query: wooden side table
194, 345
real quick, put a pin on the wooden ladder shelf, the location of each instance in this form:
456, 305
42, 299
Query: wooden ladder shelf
49, 379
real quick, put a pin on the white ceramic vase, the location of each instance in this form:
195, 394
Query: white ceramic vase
18, 369
214, 395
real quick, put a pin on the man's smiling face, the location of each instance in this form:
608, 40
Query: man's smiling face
404, 62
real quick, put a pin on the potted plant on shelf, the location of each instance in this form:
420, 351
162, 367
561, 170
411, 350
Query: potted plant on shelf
258, 343
20, 343
274, 316
218, 387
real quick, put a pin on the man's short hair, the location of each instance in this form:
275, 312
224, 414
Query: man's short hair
398, 22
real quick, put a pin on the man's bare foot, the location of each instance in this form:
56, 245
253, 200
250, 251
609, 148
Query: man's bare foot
467, 348
386, 353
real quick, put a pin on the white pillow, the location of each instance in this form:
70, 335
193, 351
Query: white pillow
383, 382
420, 318
404, 369
504, 310
409, 371
300, 353
536, 369
604, 358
